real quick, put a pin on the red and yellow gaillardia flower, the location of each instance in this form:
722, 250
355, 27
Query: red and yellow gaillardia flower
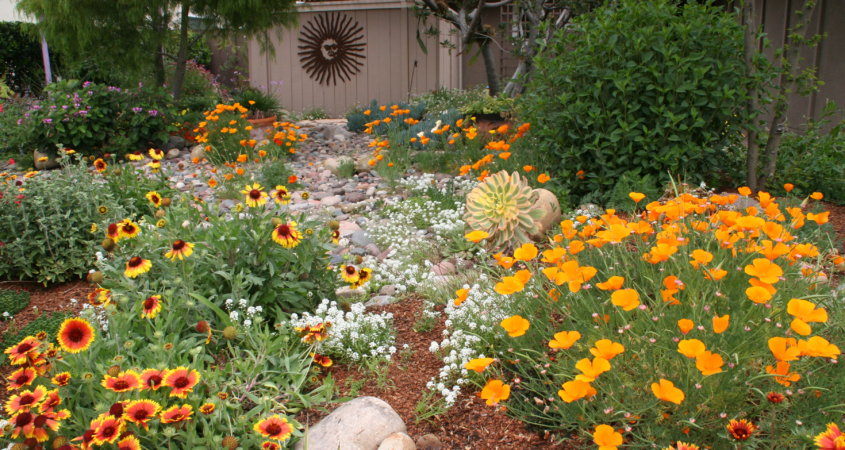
99, 297
255, 195
113, 232
287, 235
270, 445
47, 420
100, 165
324, 361
156, 154
207, 408
180, 249
274, 427
335, 236
135, 156
175, 414
349, 273
141, 412
61, 379
123, 382
364, 275
51, 402
152, 379
109, 430
181, 380
151, 307
154, 198
26, 400
23, 351
831, 439
75, 335
128, 229
741, 430
129, 443
21, 377
136, 266
281, 195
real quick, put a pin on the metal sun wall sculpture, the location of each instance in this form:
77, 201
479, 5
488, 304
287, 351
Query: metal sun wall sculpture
331, 49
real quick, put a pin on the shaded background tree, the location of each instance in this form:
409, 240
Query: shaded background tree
135, 34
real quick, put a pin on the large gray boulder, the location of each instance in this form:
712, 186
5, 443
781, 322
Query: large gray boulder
361, 424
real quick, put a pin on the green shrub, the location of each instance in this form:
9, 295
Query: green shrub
94, 119
46, 230
443, 99
200, 91
812, 161
263, 101
12, 302
651, 88
631, 182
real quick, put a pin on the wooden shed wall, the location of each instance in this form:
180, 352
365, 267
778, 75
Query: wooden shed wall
391, 52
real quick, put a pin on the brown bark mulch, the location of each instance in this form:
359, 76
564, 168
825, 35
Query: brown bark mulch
469, 425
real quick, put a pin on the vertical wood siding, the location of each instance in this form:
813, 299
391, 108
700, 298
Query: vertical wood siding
391, 51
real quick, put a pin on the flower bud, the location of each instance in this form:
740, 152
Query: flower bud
230, 333
276, 222
109, 245
114, 371
95, 277
166, 201
202, 326
160, 213
230, 442
334, 225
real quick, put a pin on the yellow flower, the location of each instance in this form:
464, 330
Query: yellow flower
255, 195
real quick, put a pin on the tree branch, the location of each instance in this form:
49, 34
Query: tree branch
498, 4
476, 19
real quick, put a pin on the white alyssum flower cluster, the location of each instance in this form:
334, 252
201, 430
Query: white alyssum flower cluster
241, 313
469, 325
353, 335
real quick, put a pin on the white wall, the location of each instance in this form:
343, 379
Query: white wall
8, 12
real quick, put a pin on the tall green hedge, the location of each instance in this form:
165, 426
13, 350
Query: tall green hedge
644, 88
20, 58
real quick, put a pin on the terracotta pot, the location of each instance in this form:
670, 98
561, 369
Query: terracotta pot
262, 122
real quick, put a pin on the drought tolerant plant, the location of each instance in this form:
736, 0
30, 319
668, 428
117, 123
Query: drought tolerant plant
12, 302
650, 87
94, 119
502, 206
49, 231
688, 321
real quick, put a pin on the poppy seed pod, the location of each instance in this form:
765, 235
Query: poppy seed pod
230, 442
230, 333
334, 225
114, 370
108, 245
166, 201
95, 277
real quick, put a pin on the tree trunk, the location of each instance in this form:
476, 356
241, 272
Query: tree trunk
787, 88
158, 56
182, 58
490, 66
750, 51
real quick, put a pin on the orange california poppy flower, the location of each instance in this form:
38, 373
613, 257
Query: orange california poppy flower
612, 284
817, 196
23, 351
818, 346
691, 348
709, 363
526, 252
515, 325
274, 427
495, 391
627, 299
542, 178
636, 196
764, 270
576, 389
123, 382
805, 312
607, 349
784, 349
788, 187
479, 364
685, 325
782, 375
212, 182
181, 380
140, 412
477, 236
720, 324
292, 179
758, 294
591, 369
75, 335
175, 414
564, 339
667, 391
607, 438
461, 296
